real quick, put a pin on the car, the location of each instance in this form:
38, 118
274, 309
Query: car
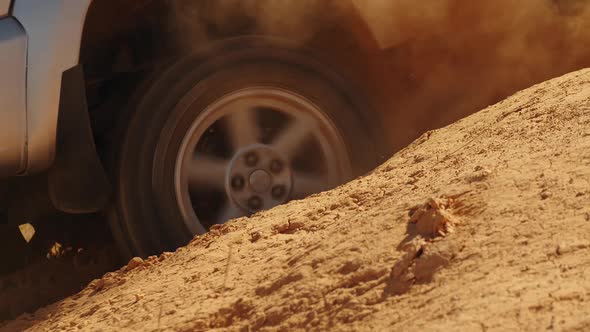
169, 117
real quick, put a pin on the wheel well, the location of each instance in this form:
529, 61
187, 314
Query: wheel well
124, 38
152, 28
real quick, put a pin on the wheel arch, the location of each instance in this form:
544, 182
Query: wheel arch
112, 25
139, 36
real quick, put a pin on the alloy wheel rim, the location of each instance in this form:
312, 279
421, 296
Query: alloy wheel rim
254, 149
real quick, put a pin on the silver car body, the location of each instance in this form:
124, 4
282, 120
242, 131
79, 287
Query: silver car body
13, 50
38, 42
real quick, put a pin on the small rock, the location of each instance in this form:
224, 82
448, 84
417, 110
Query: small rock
545, 195
216, 228
98, 284
433, 219
281, 227
134, 263
165, 255
290, 226
255, 236
296, 225
561, 249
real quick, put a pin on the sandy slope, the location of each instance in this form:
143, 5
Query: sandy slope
483, 225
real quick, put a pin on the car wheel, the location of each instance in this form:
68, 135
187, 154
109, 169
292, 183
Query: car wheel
245, 126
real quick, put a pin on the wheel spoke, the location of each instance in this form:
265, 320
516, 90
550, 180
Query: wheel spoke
305, 184
291, 138
229, 212
207, 171
242, 128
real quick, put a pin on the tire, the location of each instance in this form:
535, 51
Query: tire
146, 217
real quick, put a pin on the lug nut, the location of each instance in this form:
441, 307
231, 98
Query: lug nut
251, 159
255, 203
276, 166
278, 192
238, 182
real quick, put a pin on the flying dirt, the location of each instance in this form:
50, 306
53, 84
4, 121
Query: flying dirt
482, 225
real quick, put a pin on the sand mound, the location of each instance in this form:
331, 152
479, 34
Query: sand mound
481, 225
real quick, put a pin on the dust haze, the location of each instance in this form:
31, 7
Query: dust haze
444, 59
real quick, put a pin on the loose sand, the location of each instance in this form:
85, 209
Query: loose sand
483, 225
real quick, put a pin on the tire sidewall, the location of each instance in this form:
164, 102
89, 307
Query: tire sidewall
167, 109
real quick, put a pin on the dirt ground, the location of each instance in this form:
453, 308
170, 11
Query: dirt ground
482, 225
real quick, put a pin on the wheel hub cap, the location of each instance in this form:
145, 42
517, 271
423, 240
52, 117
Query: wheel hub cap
258, 178
260, 181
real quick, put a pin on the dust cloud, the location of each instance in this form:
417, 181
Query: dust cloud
444, 59
296, 20
455, 57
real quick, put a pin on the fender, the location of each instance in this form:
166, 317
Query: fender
54, 31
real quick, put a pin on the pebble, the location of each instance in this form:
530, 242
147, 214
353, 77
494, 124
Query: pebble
134, 263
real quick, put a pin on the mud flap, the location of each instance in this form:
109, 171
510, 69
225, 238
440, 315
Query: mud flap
77, 181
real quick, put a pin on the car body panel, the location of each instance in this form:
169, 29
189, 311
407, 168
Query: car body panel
54, 29
13, 50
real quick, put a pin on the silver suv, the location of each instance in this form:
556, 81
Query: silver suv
169, 117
